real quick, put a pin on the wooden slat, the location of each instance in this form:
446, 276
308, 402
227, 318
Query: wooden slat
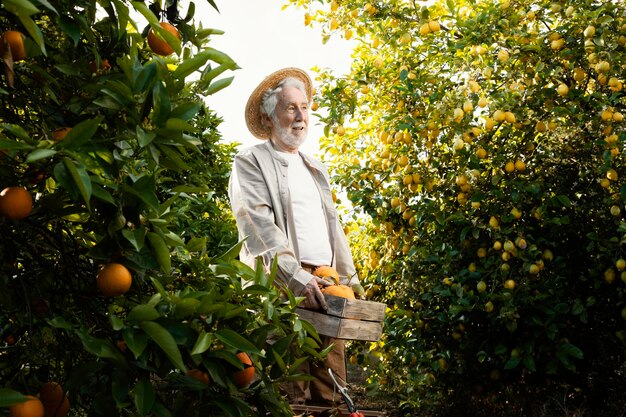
341, 328
355, 309
307, 410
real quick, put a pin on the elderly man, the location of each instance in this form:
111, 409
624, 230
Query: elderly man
283, 205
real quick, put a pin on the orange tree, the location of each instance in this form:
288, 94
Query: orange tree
121, 284
481, 144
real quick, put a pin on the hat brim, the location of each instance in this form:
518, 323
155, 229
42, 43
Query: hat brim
254, 119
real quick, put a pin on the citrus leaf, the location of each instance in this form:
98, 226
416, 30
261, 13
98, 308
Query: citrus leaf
9, 397
81, 179
20, 7
135, 340
235, 340
143, 312
166, 342
186, 111
203, 343
160, 250
144, 396
38, 154
218, 85
81, 133
146, 78
17, 130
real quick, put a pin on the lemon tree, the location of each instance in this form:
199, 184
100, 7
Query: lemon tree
124, 165
481, 146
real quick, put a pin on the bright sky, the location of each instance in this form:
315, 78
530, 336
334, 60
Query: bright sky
262, 38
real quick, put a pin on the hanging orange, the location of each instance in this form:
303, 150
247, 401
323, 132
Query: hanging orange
32, 407
15, 41
16, 203
113, 279
157, 44
244, 377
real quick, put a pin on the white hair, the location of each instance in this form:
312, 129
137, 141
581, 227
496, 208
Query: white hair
270, 97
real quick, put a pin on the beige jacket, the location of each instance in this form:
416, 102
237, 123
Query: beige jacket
259, 196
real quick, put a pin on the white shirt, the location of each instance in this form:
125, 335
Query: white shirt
308, 212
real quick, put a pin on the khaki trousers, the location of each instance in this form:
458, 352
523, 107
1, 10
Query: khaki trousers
321, 390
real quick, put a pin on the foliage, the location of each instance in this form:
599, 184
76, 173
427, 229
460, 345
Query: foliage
140, 179
481, 144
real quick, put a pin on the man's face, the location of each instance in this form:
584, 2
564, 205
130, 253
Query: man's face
289, 125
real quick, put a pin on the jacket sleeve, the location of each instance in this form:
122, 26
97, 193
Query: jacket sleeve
253, 207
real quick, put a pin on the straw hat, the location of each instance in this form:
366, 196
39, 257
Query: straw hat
253, 107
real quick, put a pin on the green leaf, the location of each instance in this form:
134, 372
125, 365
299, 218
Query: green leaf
144, 138
145, 189
512, 363
38, 154
203, 343
81, 133
81, 179
9, 397
136, 340
135, 237
146, 78
232, 253
196, 244
218, 85
20, 7
179, 125
162, 105
101, 348
166, 342
186, 111
161, 251
144, 395
529, 363
34, 32
143, 312
16, 130
235, 340
177, 163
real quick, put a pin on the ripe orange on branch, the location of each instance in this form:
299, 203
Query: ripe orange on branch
32, 407
16, 203
198, 375
159, 45
13, 41
51, 395
60, 133
113, 279
244, 377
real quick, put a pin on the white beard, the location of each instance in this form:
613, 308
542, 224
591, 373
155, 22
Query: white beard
290, 138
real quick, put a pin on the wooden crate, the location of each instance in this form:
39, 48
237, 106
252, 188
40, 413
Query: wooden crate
347, 319
312, 410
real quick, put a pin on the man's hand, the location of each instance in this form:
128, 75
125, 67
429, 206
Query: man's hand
314, 299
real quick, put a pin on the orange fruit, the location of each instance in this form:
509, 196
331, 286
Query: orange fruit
104, 66
32, 407
113, 279
121, 345
51, 396
158, 45
63, 409
60, 133
326, 271
339, 291
13, 40
16, 203
199, 375
244, 377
